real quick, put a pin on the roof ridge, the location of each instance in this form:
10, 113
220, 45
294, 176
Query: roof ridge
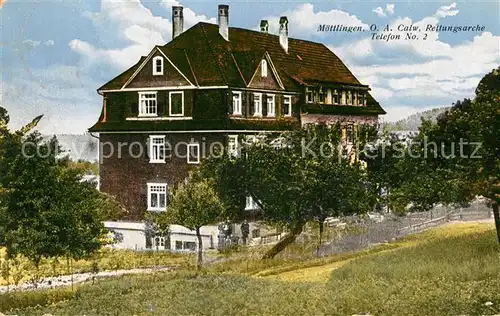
262, 33
212, 52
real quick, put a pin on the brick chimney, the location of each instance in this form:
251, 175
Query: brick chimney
223, 17
284, 33
264, 26
177, 21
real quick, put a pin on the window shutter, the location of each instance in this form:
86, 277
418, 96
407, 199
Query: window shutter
145, 154
168, 150
264, 104
243, 102
251, 105
231, 109
134, 108
160, 107
280, 106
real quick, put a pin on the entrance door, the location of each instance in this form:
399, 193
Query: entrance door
158, 243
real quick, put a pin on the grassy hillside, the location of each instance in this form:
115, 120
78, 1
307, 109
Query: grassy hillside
452, 270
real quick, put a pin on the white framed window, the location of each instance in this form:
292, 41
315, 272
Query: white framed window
361, 99
157, 197
349, 97
236, 102
147, 104
263, 68
158, 242
257, 103
309, 95
287, 105
193, 153
232, 146
354, 98
176, 103
271, 105
157, 66
250, 204
343, 98
336, 97
322, 95
157, 148
350, 134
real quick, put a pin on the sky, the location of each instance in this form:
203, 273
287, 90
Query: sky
55, 54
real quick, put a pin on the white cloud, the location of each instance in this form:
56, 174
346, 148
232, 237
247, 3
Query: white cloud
422, 71
34, 43
133, 27
389, 8
303, 21
445, 11
379, 11
31, 43
63, 94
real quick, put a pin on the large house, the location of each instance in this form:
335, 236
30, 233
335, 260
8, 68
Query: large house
214, 85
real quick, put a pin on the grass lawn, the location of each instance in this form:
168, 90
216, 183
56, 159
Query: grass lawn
452, 270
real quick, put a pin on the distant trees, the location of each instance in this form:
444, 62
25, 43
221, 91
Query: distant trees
46, 210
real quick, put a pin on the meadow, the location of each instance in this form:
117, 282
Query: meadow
450, 270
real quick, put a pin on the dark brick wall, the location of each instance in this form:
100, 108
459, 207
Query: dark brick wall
126, 177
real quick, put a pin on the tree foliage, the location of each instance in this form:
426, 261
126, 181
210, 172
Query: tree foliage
193, 204
451, 160
46, 210
295, 177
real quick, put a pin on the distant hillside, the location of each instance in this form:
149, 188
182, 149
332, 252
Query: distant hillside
412, 122
78, 147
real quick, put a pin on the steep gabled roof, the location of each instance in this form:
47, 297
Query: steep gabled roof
118, 81
206, 59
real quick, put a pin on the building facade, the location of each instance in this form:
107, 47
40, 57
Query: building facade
208, 88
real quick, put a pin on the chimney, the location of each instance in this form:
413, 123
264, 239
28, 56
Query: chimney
264, 26
224, 21
177, 21
284, 33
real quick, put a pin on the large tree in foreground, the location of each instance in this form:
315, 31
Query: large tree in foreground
46, 210
193, 204
298, 177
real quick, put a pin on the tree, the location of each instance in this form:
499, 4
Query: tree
296, 177
193, 204
456, 158
46, 210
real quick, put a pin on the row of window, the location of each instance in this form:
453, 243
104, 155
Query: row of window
158, 198
335, 96
148, 103
158, 150
257, 104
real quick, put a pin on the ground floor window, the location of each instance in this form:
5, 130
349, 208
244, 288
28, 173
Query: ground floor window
157, 196
250, 203
185, 245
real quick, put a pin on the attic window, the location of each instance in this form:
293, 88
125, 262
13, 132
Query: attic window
157, 66
263, 68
